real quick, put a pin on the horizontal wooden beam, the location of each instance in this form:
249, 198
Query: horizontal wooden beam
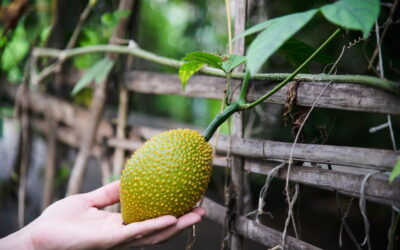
61, 111
345, 96
377, 189
376, 159
255, 231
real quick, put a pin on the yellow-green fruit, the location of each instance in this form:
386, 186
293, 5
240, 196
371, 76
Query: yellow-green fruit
166, 176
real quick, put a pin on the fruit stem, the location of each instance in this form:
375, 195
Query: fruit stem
245, 86
219, 119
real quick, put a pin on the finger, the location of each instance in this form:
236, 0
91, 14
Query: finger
184, 222
138, 230
104, 196
200, 210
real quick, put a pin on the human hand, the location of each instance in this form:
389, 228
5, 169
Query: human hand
77, 222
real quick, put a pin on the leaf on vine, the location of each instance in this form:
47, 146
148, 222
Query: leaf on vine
194, 62
204, 57
272, 38
395, 172
96, 73
297, 52
353, 14
232, 62
187, 70
257, 28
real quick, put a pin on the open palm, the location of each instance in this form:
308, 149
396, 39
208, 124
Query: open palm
77, 222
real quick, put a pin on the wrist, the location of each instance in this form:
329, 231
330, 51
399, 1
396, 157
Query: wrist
21, 239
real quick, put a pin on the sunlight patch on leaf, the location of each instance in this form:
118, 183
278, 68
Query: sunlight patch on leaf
187, 70
204, 57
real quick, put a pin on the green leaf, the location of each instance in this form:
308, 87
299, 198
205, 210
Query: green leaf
112, 18
353, 14
395, 172
298, 51
15, 50
194, 62
187, 70
272, 38
204, 57
257, 28
232, 62
103, 70
96, 73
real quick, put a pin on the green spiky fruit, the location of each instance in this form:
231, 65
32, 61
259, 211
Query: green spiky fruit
166, 176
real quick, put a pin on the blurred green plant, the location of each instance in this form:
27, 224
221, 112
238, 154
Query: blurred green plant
93, 34
395, 172
5, 112
97, 73
14, 52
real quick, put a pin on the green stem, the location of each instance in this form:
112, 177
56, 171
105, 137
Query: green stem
245, 86
219, 119
292, 75
389, 86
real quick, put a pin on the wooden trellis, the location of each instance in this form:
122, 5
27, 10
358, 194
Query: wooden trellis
251, 155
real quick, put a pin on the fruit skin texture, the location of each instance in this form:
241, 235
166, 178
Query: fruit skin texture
166, 176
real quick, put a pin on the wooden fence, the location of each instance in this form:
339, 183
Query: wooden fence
350, 164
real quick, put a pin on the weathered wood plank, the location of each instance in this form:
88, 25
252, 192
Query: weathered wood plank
345, 96
253, 230
60, 110
377, 188
377, 159
350, 156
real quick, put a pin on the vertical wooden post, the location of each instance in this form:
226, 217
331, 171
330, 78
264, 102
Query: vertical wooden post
25, 153
48, 186
123, 107
119, 155
96, 111
237, 163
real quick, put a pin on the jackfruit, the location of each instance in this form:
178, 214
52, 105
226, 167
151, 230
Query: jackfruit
167, 175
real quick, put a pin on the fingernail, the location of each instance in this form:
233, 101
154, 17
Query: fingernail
171, 219
202, 211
